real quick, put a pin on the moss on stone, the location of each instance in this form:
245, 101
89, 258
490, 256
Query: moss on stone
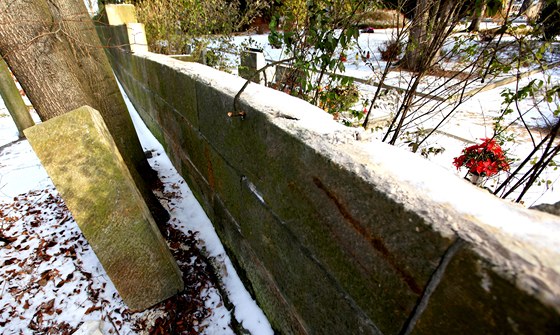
101, 194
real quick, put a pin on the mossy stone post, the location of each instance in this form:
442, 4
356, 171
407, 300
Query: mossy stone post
88, 171
251, 62
12, 98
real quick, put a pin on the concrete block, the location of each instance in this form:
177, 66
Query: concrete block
197, 183
144, 104
473, 299
171, 80
325, 215
81, 158
286, 74
334, 238
121, 28
130, 37
289, 282
322, 206
116, 36
137, 37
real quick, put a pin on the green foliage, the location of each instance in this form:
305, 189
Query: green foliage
530, 168
340, 99
171, 25
465, 46
414, 140
317, 36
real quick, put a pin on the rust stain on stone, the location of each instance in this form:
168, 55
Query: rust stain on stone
209, 169
376, 242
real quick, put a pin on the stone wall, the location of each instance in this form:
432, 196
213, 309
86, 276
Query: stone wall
336, 235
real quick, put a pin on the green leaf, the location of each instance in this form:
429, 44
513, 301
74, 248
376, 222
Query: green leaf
273, 24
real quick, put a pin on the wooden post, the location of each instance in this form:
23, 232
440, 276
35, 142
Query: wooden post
12, 98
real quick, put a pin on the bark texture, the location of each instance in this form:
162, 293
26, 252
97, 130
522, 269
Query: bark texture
432, 23
477, 15
418, 36
52, 48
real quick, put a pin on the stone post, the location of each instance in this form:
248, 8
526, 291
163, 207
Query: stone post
125, 14
251, 61
12, 98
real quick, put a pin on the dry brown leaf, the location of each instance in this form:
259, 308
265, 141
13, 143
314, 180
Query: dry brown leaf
92, 309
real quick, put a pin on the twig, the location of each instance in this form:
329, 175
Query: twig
432, 286
502, 30
3, 288
236, 112
111, 320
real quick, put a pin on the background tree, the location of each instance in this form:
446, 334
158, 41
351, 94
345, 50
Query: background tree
433, 23
478, 13
531, 9
549, 19
53, 50
482, 61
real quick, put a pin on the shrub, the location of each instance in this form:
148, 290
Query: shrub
382, 18
172, 24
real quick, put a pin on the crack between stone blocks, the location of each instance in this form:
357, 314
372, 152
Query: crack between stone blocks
246, 183
432, 285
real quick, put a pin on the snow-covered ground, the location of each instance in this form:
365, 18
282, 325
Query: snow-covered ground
50, 279
472, 120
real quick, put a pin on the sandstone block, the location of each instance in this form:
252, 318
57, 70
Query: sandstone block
87, 169
251, 62
120, 14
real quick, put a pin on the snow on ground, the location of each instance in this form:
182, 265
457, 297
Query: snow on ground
51, 280
472, 121
194, 218
14, 163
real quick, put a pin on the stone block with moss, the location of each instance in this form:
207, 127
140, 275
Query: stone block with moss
88, 171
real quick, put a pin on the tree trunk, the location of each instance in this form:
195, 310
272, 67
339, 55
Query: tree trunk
418, 36
432, 23
531, 9
549, 19
477, 15
53, 50
524, 6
